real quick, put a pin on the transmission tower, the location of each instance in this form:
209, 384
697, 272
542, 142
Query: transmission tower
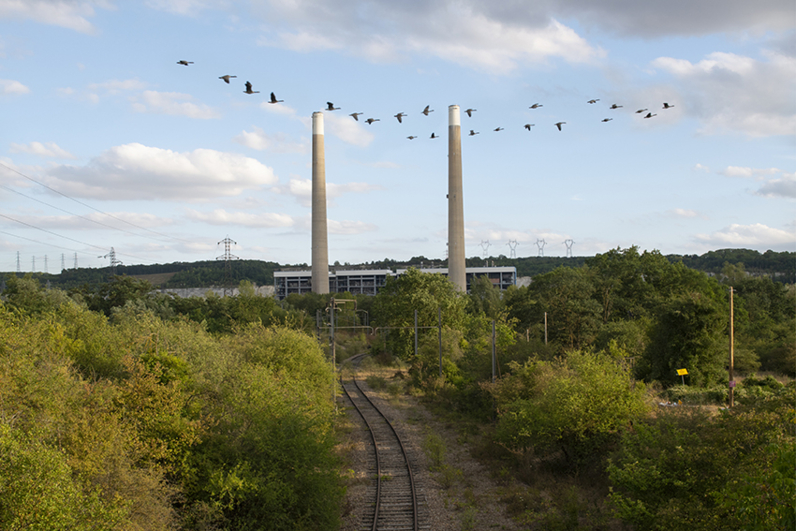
114, 261
228, 257
19, 269
33, 259
513, 246
540, 244
569, 243
63, 263
485, 246
75, 260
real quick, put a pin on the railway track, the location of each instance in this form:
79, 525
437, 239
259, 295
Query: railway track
395, 492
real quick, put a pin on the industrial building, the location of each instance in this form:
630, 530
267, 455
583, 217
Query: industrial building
370, 281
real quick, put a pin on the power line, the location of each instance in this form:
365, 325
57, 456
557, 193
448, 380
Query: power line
76, 215
91, 207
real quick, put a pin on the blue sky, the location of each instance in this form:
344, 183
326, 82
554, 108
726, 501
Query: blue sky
107, 142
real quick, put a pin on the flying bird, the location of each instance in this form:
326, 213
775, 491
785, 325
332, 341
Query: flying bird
274, 100
528, 126
667, 106
640, 111
355, 115
650, 115
536, 106
399, 116
369, 121
411, 137
473, 133
330, 106
427, 110
593, 101
184, 63
498, 129
607, 119
559, 124
470, 112
615, 106
226, 78
249, 89
433, 136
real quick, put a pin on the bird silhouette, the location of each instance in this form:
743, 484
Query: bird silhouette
355, 115
498, 129
615, 106
226, 78
667, 106
536, 106
650, 115
274, 100
640, 111
607, 119
593, 101
427, 110
433, 136
184, 63
473, 133
528, 126
411, 137
469, 112
369, 121
559, 124
330, 106
249, 89
399, 116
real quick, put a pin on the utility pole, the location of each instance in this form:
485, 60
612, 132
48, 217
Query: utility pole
114, 261
545, 328
732, 353
439, 326
19, 269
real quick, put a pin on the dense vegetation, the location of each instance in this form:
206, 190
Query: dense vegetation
131, 416
780, 266
125, 408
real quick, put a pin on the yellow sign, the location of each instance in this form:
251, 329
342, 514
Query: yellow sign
682, 372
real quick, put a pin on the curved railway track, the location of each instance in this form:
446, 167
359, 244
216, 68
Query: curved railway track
395, 504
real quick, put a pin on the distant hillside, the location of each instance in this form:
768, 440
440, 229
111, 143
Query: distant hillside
780, 266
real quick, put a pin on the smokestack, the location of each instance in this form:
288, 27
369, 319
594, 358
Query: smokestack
456, 264
320, 245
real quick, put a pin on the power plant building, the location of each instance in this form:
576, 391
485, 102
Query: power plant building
370, 281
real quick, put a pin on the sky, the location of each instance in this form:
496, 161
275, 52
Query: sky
107, 142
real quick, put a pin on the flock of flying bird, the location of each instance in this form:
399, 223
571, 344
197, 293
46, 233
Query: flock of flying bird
469, 112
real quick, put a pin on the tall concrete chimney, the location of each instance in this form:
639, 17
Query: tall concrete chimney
456, 265
320, 244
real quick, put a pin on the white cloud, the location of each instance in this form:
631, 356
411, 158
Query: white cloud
684, 213
222, 217
277, 143
9, 86
71, 14
464, 32
783, 187
173, 103
184, 7
347, 129
739, 171
301, 189
756, 236
135, 171
48, 149
115, 86
729, 92
349, 227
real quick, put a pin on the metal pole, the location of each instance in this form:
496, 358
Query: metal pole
493, 351
318, 322
439, 326
334, 355
545, 328
415, 334
732, 353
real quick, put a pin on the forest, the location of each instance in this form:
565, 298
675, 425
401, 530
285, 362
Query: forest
125, 408
780, 266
